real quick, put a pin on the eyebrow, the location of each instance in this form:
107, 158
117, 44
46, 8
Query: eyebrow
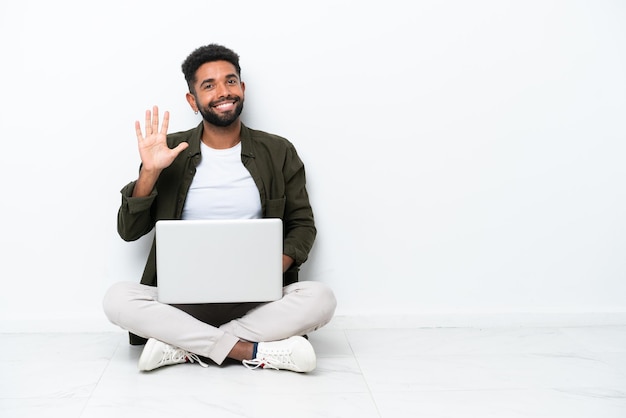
211, 80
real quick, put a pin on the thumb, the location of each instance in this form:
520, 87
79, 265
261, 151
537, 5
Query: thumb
180, 147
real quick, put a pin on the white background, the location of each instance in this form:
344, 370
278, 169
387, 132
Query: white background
463, 157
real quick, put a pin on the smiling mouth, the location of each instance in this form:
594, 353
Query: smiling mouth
225, 104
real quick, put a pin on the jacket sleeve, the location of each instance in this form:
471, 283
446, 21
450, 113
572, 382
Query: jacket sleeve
298, 221
134, 217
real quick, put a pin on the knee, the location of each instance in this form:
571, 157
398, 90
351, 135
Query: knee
111, 302
116, 298
326, 299
322, 300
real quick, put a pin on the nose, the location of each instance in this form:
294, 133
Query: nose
223, 90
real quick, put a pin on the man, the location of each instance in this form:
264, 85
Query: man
220, 169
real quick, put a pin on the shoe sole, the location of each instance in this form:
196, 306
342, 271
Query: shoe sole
146, 354
309, 359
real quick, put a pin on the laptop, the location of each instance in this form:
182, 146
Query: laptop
219, 261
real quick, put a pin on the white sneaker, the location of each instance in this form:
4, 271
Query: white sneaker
294, 353
156, 354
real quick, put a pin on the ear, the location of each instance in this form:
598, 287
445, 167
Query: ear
243, 86
191, 99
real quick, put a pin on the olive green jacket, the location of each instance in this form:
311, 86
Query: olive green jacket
273, 164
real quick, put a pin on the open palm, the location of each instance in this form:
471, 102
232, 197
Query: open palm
153, 149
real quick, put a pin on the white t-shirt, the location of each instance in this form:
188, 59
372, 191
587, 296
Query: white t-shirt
222, 187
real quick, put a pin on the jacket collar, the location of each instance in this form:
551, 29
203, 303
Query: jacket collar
247, 149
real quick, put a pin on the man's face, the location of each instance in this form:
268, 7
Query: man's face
219, 93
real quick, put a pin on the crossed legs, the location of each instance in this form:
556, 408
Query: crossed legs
304, 307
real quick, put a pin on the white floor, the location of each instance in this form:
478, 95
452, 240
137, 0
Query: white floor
389, 373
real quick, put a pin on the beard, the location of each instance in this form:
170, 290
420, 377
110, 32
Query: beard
222, 119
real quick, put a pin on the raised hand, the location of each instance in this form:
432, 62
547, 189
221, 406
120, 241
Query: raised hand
153, 150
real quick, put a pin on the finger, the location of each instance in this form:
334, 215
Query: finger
175, 152
138, 131
155, 119
166, 122
180, 147
148, 122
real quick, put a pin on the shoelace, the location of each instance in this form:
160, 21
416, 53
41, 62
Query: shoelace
191, 357
257, 362
178, 355
270, 360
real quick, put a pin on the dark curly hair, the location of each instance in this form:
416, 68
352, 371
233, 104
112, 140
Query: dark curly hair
204, 54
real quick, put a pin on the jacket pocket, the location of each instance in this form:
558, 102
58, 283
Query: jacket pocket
275, 208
